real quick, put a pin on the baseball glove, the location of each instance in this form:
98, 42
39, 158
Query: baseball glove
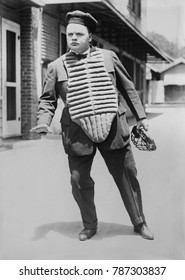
142, 140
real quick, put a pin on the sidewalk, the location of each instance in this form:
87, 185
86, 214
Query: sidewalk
40, 219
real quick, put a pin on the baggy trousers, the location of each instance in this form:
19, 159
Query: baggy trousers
121, 166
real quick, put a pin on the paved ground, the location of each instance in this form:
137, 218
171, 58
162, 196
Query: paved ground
40, 220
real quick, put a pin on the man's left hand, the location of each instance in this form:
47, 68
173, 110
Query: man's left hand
143, 124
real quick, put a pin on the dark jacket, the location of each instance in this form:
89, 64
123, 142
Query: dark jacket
75, 141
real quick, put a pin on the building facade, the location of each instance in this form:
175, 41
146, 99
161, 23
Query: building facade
32, 34
167, 82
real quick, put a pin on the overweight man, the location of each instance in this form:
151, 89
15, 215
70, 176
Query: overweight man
92, 83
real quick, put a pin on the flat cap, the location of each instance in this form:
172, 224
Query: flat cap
82, 18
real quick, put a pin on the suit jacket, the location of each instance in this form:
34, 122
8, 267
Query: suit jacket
75, 141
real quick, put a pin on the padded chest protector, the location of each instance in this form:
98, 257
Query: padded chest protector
91, 95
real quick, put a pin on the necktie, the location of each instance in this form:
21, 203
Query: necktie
81, 55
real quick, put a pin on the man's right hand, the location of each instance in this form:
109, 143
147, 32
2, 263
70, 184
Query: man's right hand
41, 129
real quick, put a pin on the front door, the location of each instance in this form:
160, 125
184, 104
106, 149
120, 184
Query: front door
11, 78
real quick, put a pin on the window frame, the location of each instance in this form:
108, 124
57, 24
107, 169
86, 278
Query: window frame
135, 7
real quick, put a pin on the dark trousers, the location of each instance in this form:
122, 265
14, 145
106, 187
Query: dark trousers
121, 166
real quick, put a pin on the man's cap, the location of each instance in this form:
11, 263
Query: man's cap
82, 18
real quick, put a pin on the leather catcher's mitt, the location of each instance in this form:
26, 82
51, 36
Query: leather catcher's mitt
142, 140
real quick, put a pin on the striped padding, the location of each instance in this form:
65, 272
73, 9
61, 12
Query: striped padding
91, 96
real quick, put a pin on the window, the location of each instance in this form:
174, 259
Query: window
11, 104
63, 43
11, 75
11, 56
135, 7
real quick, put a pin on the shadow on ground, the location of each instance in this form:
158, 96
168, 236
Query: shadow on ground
72, 229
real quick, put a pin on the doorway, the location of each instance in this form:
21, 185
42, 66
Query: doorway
11, 78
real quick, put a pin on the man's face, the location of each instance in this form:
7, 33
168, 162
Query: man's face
78, 37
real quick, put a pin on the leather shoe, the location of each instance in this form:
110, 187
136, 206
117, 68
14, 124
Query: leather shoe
144, 231
86, 234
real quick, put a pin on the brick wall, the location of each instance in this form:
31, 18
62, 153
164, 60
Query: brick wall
29, 99
49, 52
1, 82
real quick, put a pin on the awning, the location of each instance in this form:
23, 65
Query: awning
103, 9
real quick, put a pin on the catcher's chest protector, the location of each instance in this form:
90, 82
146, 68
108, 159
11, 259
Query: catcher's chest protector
91, 96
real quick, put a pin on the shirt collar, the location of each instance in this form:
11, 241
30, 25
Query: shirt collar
85, 52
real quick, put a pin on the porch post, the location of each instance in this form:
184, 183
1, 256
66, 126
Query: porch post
30, 69
1, 104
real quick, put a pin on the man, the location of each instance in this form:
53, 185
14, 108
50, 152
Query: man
92, 82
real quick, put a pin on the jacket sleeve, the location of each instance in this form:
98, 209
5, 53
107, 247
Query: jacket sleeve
48, 100
127, 89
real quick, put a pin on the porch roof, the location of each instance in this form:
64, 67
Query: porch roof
103, 9
173, 64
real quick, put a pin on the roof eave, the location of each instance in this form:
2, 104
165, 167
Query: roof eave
109, 5
175, 63
129, 24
